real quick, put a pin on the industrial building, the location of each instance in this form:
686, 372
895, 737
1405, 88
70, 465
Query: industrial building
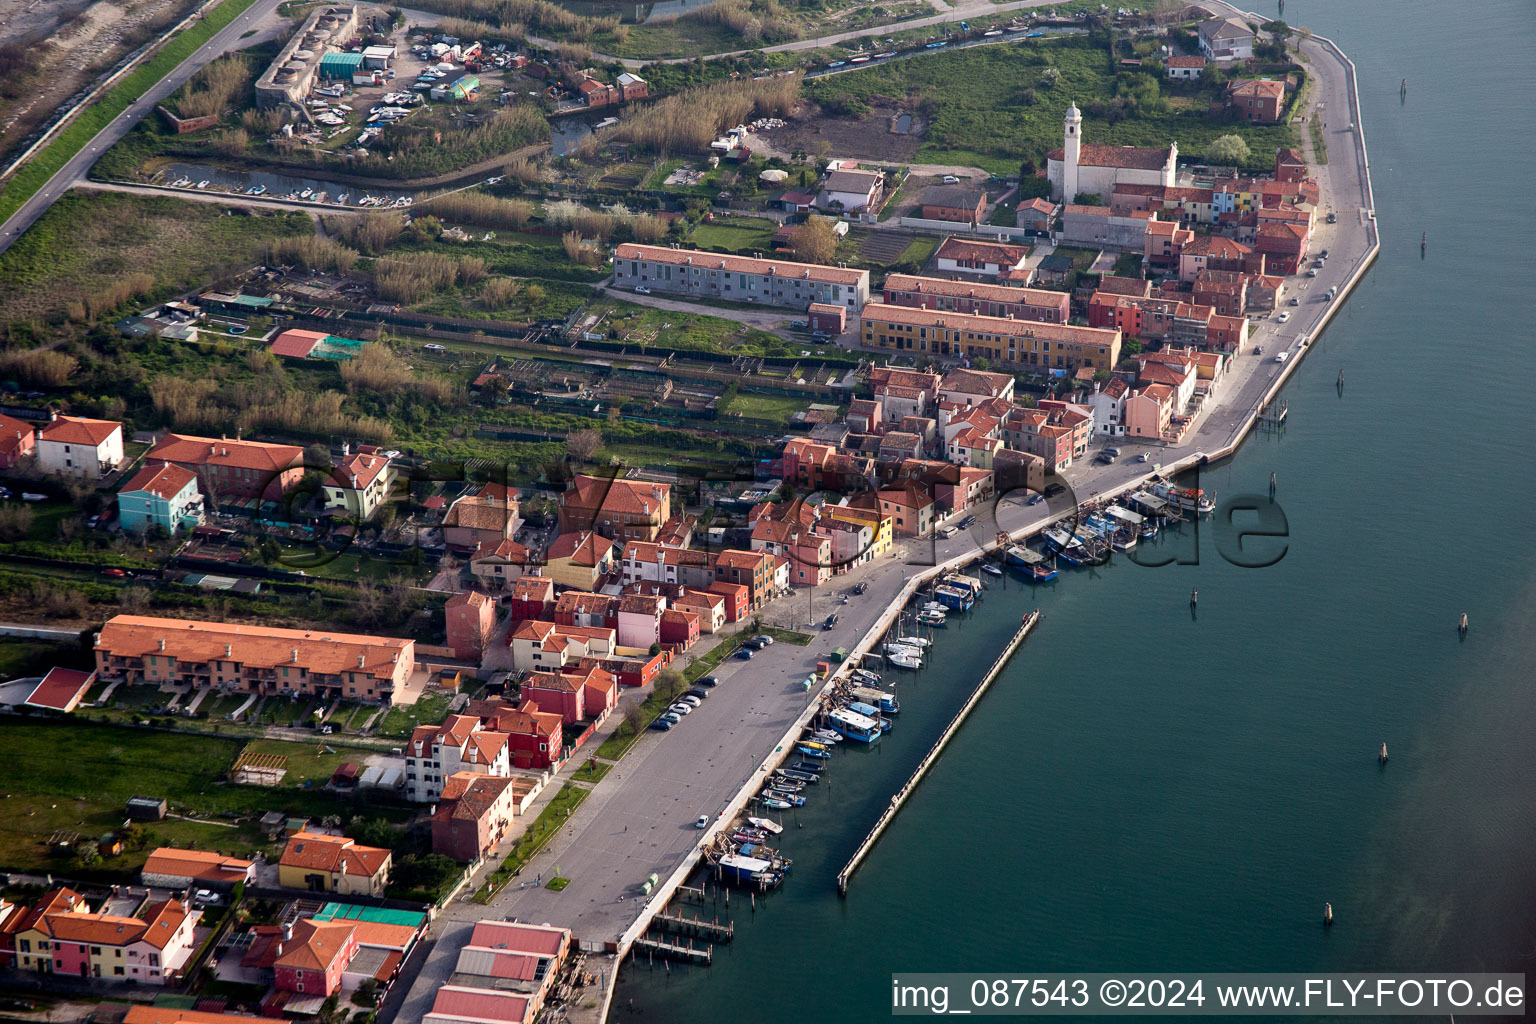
312, 52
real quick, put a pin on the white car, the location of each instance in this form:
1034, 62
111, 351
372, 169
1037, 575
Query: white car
1284, 317
641, 289
950, 179
690, 700
681, 709
701, 822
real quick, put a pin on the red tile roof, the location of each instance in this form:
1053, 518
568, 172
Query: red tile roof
60, 688
987, 252
79, 430
1133, 157
316, 945
297, 344
163, 480
332, 853
1186, 62
195, 643
190, 450
970, 289
581, 548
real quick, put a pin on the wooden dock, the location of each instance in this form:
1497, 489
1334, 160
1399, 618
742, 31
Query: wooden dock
689, 954
928, 761
694, 928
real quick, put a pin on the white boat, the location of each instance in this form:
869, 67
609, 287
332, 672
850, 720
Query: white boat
341, 200
989, 567
905, 661
306, 193
933, 606
766, 824
914, 641
203, 183
1189, 499
181, 182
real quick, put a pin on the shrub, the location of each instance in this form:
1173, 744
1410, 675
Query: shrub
214, 87
39, 367
691, 119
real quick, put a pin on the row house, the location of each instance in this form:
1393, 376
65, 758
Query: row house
532, 597
1015, 470
665, 563
1171, 321
233, 472
1101, 226
1206, 249
1016, 342
621, 510
860, 532
579, 694
470, 621
1149, 411
639, 620
1107, 400
738, 596
1182, 204
970, 487
361, 484
1165, 241
1042, 433
534, 736
582, 608
1284, 245
904, 393
679, 629
160, 495
631, 670
1075, 417
459, 744
909, 506
1290, 166
473, 815
579, 559
1225, 291
974, 387
864, 416
738, 278
896, 445
1177, 374
498, 567
539, 646
263, 660
60, 935
706, 606
325, 863
751, 569
981, 298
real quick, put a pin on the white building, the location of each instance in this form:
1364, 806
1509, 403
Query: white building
1226, 39
76, 446
360, 484
851, 190
1079, 169
1108, 405
460, 744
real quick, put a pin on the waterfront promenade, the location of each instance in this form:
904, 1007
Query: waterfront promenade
640, 818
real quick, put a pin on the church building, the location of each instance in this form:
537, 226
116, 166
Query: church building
1077, 169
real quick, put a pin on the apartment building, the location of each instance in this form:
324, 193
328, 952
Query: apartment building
738, 278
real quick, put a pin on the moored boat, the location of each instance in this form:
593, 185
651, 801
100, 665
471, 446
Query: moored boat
809, 767
886, 702
755, 872
854, 726
910, 661
934, 619
1189, 499
767, 825
771, 801
791, 775
872, 713
989, 567
813, 751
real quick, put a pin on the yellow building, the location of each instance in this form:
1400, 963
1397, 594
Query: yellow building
324, 863
1002, 340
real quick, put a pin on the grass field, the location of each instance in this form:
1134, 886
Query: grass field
990, 107
739, 234
85, 791
431, 709
32, 175
765, 407
87, 242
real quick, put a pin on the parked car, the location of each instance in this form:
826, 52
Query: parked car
798, 325
709, 681
206, 898
746, 654
696, 693
1284, 317
950, 179
661, 724
831, 621
701, 822
671, 717
967, 522
1295, 300
1112, 452
1035, 499
1333, 218
690, 700
1051, 490
764, 639
681, 709
641, 289
1312, 272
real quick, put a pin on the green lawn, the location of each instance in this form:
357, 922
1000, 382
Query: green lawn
86, 790
991, 107
739, 234
778, 408
34, 173
19, 658
431, 709
920, 251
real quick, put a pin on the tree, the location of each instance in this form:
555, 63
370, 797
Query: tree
1049, 77
581, 445
1277, 28
814, 241
1227, 151
634, 718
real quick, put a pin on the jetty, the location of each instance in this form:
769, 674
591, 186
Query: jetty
693, 927
897, 801
688, 954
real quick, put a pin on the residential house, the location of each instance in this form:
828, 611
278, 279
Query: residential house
460, 743
1290, 165
360, 484
953, 202
738, 596
235, 471
679, 629
709, 607
1165, 241
471, 623
904, 393
325, 863
640, 620
532, 597
969, 487
1102, 227
738, 278
1014, 470
970, 388
665, 563
480, 521
1225, 291
618, 509
579, 559
864, 415
170, 868
1149, 411
533, 735
18, 441
1284, 245
1186, 205
263, 660
988, 259
150, 949
581, 608
851, 191
311, 960
1259, 100
1184, 68
544, 646
1205, 249
497, 568
1226, 39
1107, 401
472, 815
582, 694
910, 507
161, 495
1036, 215
77, 446
750, 569
983, 299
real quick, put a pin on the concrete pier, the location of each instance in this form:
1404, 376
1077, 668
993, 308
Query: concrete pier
932, 756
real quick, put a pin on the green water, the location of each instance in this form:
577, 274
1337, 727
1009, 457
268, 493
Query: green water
1144, 790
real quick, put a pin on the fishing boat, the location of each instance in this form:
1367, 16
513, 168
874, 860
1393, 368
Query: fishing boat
1034, 564
958, 598
306, 193
753, 872
871, 712
886, 702
794, 776
341, 200
1189, 499
793, 799
767, 825
1148, 529
826, 736
934, 619
808, 767
776, 860
813, 751
864, 675
854, 726
1072, 548
1148, 504
933, 606
773, 802
989, 567
910, 661
1124, 539
973, 584
748, 836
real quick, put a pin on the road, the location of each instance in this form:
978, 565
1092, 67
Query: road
226, 39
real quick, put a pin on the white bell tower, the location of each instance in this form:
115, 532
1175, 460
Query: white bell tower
1071, 150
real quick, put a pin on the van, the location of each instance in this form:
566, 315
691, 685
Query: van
1112, 452
947, 532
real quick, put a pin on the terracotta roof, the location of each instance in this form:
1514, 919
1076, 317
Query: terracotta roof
79, 430
988, 252
95, 929
59, 688
734, 559
296, 343
476, 513
883, 313
740, 264
468, 796
189, 450
315, 945
955, 196
202, 865
1186, 62
332, 853
915, 379
506, 550
360, 470
908, 493
1216, 246
1039, 206
1130, 157
533, 588
633, 497
582, 548
542, 940
163, 480
976, 382
162, 921
15, 434
1257, 88
580, 602
319, 651
641, 604
970, 289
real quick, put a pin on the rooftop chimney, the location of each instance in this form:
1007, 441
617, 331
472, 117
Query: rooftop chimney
360, 660
295, 653
162, 644
229, 649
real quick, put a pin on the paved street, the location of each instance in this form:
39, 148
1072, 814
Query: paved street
228, 38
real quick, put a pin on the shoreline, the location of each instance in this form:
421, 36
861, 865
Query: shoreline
1235, 440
